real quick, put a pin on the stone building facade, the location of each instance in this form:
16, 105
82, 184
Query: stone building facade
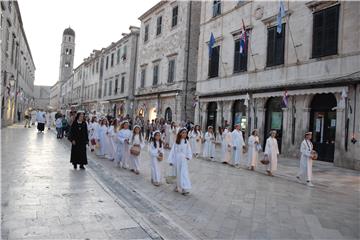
42, 96
166, 66
54, 95
17, 65
301, 77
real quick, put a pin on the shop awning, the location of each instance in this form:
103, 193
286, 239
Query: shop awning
301, 92
226, 98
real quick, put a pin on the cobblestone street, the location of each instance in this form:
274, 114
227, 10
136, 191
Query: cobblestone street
43, 197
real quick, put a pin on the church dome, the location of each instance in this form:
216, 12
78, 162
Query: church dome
69, 31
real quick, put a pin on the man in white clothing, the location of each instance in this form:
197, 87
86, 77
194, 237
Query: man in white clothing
271, 153
238, 144
307, 152
40, 118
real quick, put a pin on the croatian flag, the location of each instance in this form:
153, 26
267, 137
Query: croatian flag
285, 99
243, 38
211, 44
280, 15
194, 102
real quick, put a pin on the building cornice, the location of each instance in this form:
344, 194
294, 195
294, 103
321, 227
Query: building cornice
152, 10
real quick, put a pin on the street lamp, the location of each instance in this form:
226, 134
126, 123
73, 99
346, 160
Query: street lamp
12, 80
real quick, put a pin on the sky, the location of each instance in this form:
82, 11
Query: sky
96, 25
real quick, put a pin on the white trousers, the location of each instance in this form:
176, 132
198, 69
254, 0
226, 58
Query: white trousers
305, 168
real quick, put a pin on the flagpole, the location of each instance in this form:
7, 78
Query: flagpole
291, 36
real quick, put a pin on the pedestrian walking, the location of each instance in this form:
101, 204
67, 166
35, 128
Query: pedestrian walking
123, 149
40, 118
238, 145
101, 138
157, 155
65, 126
271, 153
254, 148
179, 155
197, 135
136, 144
27, 119
112, 138
93, 128
59, 130
79, 139
226, 145
209, 144
306, 160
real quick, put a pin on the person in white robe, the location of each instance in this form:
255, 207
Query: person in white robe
156, 151
167, 135
238, 145
100, 134
306, 150
40, 118
112, 138
48, 119
179, 154
197, 135
253, 149
33, 117
209, 145
136, 140
226, 145
271, 153
172, 134
191, 139
123, 149
93, 128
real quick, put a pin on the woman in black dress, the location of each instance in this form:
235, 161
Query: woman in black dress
79, 138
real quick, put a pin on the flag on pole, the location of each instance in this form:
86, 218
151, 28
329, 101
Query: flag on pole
243, 39
246, 102
194, 102
343, 98
285, 99
280, 15
211, 44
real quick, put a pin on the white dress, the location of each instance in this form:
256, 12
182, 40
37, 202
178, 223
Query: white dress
172, 137
178, 156
253, 153
102, 140
305, 160
123, 149
197, 136
155, 169
238, 142
272, 151
227, 147
111, 149
134, 162
209, 145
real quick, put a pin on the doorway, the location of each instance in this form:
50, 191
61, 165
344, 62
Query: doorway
323, 125
274, 119
211, 117
168, 115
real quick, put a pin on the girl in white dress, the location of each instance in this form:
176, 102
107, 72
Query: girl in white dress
209, 145
138, 141
271, 152
111, 133
179, 155
173, 132
196, 134
123, 149
100, 134
156, 153
253, 152
226, 145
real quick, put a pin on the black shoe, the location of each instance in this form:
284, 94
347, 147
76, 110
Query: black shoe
75, 166
82, 167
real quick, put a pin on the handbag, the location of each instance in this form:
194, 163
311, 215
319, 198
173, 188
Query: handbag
265, 161
135, 150
93, 142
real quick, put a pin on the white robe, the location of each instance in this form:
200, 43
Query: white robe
191, 140
178, 156
253, 154
172, 137
33, 117
155, 169
40, 117
305, 160
197, 141
102, 140
209, 145
123, 149
111, 144
238, 143
167, 133
272, 151
227, 147
134, 161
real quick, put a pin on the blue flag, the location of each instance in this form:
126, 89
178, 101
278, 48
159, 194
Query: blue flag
211, 44
280, 15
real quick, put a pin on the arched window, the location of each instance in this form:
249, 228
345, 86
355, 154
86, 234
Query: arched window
168, 115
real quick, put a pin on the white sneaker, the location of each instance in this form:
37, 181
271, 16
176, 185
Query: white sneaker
309, 184
298, 179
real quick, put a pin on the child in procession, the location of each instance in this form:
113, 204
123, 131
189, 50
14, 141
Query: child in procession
226, 145
123, 148
157, 155
209, 145
306, 160
271, 153
136, 144
179, 155
238, 145
196, 134
254, 148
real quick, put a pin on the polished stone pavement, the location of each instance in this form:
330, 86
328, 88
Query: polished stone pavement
225, 203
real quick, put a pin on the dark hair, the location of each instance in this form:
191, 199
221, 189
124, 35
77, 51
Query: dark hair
220, 130
178, 136
140, 134
160, 141
77, 117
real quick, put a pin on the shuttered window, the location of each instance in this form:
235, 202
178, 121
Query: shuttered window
122, 84
214, 62
276, 46
158, 25
240, 59
155, 75
174, 19
171, 71
325, 32
143, 75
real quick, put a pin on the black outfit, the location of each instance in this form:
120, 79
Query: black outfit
79, 134
41, 127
